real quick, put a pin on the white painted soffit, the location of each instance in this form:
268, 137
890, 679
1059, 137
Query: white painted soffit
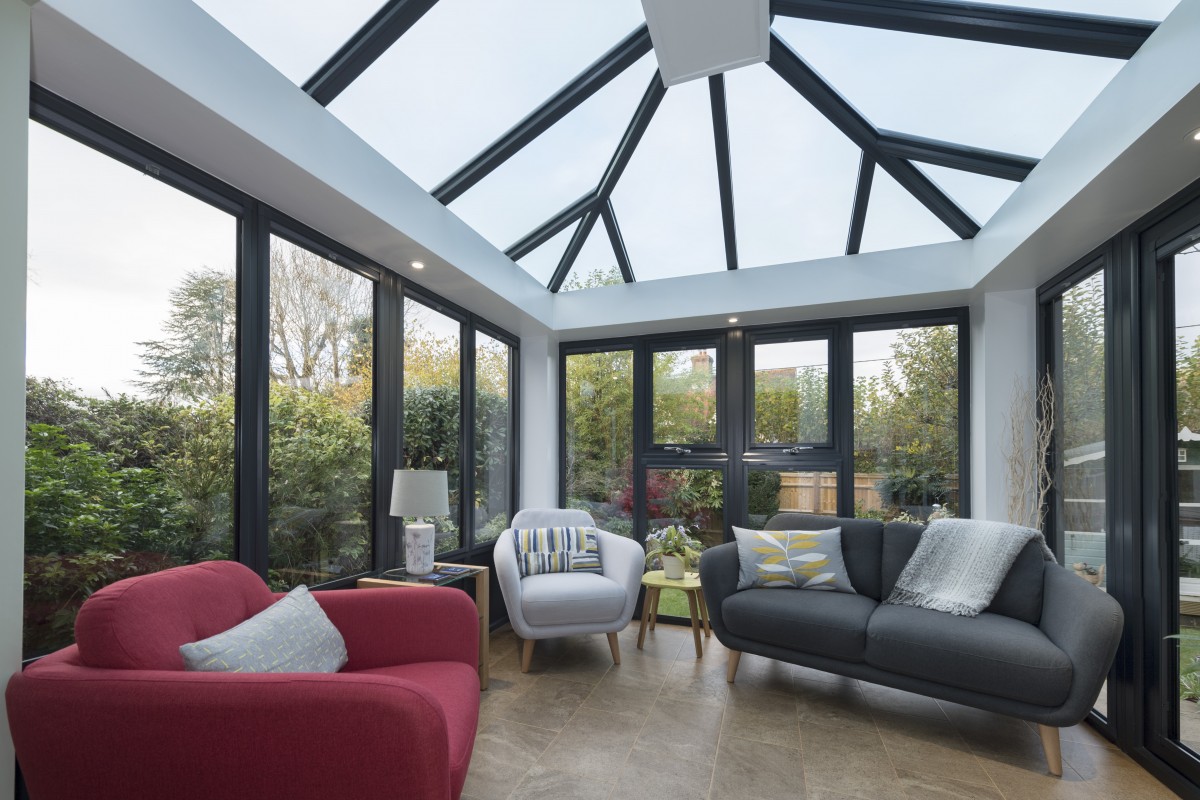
696, 38
167, 72
1125, 155
909, 279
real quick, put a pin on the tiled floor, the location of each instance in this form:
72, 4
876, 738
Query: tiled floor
666, 725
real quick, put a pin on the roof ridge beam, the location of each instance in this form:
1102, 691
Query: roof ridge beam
720, 119
361, 50
981, 161
824, 98
612, 174
1065, 32
551, 227
595, 77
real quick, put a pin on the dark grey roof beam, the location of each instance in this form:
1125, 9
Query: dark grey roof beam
957, 156
360, 51
581, 87
846, 118
1084, 34
720, 118
551, 227
612, 174
618, 242
862, 196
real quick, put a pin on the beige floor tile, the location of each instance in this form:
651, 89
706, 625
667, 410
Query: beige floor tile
752, 769
541, 783
923, 786
1110, 773
762, 717
929, 746
593, 744
810, 674
767, 674
680, 729
650, 776
629, 693
504, 752
548, 704
851, 761
824, 703
896, 701
696, 682
1020, 783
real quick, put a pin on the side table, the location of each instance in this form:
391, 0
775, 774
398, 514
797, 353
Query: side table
398, 578
689, 584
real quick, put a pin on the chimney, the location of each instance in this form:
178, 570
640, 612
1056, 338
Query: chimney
702, 363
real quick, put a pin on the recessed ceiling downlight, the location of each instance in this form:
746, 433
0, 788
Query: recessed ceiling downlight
1193, 136
733, 319
417, 264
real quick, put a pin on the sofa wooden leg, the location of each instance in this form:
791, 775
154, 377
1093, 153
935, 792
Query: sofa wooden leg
735, 658
615, 647
1052, 748
526, 655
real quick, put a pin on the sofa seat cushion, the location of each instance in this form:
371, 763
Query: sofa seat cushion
565, 598
991, 654
831, 624
455, 687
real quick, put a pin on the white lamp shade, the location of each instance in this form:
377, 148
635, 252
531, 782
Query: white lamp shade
419, 493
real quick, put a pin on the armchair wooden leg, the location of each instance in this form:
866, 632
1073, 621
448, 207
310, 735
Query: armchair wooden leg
1052, 748
615, 647
526, 655
735, 658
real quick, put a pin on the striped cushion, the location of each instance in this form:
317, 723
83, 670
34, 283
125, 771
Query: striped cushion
557, 550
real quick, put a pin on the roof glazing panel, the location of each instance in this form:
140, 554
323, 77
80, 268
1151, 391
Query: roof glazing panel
1131, 9
542, 261
896, 219
1013, 99
979, 195
294, 36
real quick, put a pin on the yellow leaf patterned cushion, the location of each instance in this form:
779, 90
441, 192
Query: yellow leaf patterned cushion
792, 560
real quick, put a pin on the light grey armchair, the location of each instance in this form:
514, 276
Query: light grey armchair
565, 604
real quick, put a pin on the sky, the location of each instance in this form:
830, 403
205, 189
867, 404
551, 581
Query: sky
107, 243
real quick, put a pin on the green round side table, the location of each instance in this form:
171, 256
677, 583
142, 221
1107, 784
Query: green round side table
689, 584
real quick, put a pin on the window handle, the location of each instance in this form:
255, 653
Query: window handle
683, 451
791, 451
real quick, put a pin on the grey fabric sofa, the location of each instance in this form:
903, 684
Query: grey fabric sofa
1039, 652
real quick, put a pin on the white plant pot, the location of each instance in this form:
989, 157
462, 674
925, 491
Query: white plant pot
673, 567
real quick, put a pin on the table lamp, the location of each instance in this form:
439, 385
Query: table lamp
419, 493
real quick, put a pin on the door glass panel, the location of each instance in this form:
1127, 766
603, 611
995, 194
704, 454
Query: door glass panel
693, 498
599, 437
770, 492
1187, 461
905, 422
685, 396
433, 407
493, 437
791, 392
322, 358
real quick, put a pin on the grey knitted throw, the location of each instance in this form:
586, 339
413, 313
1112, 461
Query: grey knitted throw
959, 564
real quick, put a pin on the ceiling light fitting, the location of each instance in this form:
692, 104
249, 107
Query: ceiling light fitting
1193, 136
417, 264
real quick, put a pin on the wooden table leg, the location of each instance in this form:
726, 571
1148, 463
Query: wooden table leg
695, 622
704, 613
646, 602
654, 607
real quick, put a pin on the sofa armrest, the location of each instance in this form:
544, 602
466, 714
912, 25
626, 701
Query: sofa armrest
130, 734
624, 561
388, 626
719, 579
1085, 623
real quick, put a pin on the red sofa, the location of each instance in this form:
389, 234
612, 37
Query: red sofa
116, 716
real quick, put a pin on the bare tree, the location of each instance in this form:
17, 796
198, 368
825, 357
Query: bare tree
1029, 436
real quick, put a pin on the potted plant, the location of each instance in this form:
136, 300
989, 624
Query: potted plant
1093, 575
675, 548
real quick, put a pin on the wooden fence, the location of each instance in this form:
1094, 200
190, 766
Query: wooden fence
816, 492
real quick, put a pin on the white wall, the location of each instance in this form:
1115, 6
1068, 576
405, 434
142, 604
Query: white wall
539, 422
14, 158
1003, 345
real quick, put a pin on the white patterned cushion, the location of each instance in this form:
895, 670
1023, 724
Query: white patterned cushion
792, 560
293, 635
561, 549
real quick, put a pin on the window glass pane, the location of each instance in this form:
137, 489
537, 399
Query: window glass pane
1015, 99
693, 498
685, 396
791, 392
596, 264
493, 437
978, 195
321, 449
599, 432
130, 368
1187, 460
770, 492
905, 422
1132, 9
433, 407
897, 219
295, 36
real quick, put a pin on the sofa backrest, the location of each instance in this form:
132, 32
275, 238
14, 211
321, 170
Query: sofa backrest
862, 545
139, 623
1019, 595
